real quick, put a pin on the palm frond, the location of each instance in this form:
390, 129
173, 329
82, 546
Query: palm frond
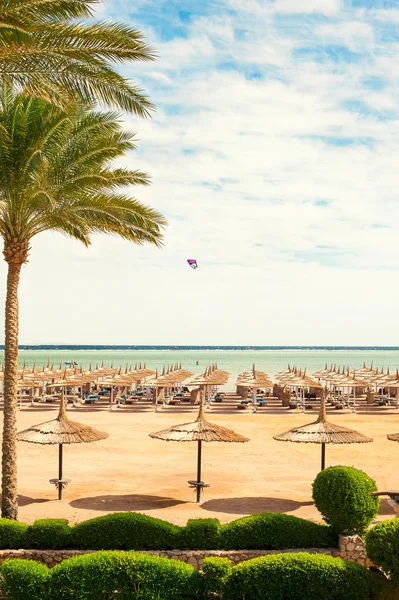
57, 173
47, 50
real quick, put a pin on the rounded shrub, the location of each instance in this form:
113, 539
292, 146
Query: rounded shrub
125, 531
217, 572
382, 543
12, 534
24, 580
299, 576
202, 534
342, 495
123, 575
275, 531
49, 533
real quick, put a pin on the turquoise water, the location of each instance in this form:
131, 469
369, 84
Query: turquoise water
234, 361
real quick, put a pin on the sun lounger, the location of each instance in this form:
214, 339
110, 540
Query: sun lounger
174, 401
130, 400
89, 400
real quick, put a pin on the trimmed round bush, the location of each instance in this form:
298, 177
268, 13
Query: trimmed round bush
24, 580
49, 533
342, 495
202, 534
382, 543
299, 576
275, 531
217, 572
12, 534
125, 531
123, 575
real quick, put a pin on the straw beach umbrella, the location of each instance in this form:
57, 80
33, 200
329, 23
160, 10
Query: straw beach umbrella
61, 431
322, 432
201, 430
117, 380
168, 379
25, 384
299, 380
255, 379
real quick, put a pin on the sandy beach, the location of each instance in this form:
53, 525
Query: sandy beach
132, 472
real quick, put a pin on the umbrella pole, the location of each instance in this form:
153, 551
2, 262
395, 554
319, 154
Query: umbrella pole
199, 457
255, 394
59, 471
323, 456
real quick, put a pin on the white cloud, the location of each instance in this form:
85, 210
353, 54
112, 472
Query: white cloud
356, 35
308, 6
242, 158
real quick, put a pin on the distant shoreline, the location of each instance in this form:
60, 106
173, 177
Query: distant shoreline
62, 347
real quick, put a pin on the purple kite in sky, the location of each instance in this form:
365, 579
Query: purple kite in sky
193, 263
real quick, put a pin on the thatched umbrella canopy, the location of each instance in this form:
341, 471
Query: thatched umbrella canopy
365, 372
61, 431
255, 379
68, 381
322, 432
200, 430
141, 372
323, 372
168, 379
25, 384
349, 382
299, 379
117, 380
212, 376
284, 372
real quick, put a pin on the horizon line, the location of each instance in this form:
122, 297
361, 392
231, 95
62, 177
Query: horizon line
195, 347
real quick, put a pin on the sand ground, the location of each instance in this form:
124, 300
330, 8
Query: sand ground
132, 472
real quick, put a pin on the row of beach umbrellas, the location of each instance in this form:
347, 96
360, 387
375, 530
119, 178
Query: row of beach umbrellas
62, 430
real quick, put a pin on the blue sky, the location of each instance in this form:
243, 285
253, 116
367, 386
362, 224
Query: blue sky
274, 154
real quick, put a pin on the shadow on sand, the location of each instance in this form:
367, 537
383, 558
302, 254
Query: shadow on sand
125, 502
385, 509
252, 505
26, 500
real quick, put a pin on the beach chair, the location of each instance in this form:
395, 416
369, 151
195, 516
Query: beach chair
89, 400
174, 401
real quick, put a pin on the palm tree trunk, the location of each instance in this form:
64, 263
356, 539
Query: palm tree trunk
9, 501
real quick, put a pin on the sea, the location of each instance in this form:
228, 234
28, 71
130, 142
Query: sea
234, 359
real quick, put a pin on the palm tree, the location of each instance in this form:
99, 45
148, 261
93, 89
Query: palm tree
50, 50
55, 174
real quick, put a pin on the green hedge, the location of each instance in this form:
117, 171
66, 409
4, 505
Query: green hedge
121, 575
202, 534
217, 572
126, 531
342, 495
299, 576
12, 534
382, 543
135, 531
24, 580
132, 576
49, 534
275, 531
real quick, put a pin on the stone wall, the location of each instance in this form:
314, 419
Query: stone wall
350, 547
